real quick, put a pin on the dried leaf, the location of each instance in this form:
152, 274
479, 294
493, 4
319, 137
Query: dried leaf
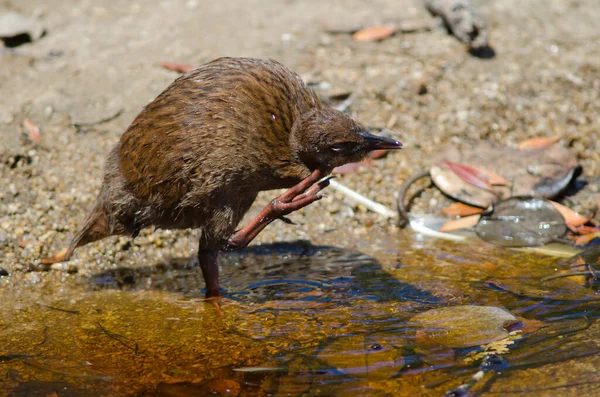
415, 25
391, 122
347, 168
339, 102
530, 325
469, 175
462, 223
492, 177
224, 387
33, 132
58, 257
583, 229
454, 186
374, 33
461, 209
353, 167
375, 154
572, 218
586, 238
176, 67
538, 143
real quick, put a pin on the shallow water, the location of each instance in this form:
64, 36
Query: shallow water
301, 319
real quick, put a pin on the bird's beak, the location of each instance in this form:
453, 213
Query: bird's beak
375, 142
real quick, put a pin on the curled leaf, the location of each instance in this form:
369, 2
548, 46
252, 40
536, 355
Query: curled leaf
461, 223
375, 154
492, 177
176, 67
374, 33
572, 218
353, 167
349, 168
33, 132
461, 209
531, 325
454, 186
538, 143
469, 175
583, 229
58, 257
586, 238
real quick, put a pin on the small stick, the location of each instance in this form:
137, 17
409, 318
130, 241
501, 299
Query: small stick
61, 310
119, 338
586, 273
591, 270
404, 220
79, 124
370, 204
45, 336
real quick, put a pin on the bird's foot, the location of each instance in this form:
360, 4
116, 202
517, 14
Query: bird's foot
304, 193
295, 198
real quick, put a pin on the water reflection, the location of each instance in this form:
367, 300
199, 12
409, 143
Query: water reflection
298, 319
272, 272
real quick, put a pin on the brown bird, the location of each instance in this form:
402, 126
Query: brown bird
197, 156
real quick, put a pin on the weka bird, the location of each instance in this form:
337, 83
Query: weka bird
197, 156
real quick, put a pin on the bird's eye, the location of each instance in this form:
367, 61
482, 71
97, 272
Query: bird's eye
338, 147
376, 346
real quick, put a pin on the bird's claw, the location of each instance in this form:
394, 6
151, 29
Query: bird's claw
287, 220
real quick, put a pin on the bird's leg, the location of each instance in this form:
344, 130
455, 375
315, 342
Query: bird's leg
210, 270
299, 196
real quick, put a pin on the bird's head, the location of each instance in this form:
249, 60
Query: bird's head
327, 138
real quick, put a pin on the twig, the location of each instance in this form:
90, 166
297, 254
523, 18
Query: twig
426, 231
586, 273
490, 365
106, 119
403, 219
45, 336
119, 338
370, 204
591, 270
61, 310
10, 357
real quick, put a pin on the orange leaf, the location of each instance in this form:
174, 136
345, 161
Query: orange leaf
353, 167
586, 238
58, 257
530, 325
33, 132
176, 67
461, 209
583, 229
572, 218
492, 177
375, 154
347, 168
469, 175
538, 143
462, 223
374, 33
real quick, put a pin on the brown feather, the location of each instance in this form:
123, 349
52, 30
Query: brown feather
197, 155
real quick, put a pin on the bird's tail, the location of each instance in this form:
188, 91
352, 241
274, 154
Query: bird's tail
96, 227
